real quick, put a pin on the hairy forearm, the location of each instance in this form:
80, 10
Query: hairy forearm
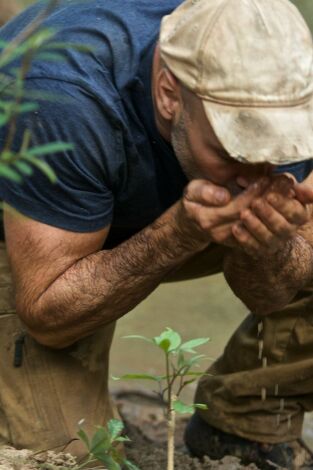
103, 286
267, 285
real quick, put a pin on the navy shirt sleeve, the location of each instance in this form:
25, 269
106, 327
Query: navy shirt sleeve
82, 199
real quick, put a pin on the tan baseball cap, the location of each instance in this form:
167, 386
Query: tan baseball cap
251, 63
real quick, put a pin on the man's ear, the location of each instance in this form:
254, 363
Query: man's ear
167, 94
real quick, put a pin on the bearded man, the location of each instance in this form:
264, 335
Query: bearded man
184, 130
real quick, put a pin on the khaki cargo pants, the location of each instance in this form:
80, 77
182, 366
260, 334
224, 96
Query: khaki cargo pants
44, 393
259, 389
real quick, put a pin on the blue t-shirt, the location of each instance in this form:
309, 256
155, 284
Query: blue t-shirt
121, 170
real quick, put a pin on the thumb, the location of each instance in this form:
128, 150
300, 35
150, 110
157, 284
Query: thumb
304, 193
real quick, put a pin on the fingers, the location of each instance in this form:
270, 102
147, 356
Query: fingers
206, 193
283, 184
246, 241
304, 193
271, 219
257, 229
274, 207
253, 235
245, 199
255, 239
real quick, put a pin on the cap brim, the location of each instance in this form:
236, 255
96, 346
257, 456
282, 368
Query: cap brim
257, 135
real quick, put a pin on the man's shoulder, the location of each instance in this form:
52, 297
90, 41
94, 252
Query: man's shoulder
117, 32
114, 22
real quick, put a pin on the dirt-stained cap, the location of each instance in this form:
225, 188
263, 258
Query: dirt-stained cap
251, 63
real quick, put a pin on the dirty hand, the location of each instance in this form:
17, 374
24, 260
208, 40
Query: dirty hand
207, 212
274, 217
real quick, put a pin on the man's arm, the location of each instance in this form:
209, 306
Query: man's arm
267, 284
66, 286
268, 277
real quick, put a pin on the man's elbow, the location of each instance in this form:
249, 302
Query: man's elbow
49, 339
40, 328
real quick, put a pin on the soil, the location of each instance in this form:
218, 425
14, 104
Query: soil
145, 424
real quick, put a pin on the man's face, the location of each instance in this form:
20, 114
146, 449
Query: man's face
201, 155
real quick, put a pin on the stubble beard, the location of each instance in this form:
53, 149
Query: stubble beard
183, 154
182, 150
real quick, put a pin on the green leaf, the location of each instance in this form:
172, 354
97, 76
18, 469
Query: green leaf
130, 465
32, 94
84, 438
122, 439
200, 406
182, 408
9, 173
46, 169
193, 361
181, 361
3, 44
165, 344
194, 343
31, 45
155, 378
40, 38
26, 108
69, 45
51, 57
23, 167
109, 462
4, 118
100, 441
169, 340
193, 373
53, 147
115, 427
144, 338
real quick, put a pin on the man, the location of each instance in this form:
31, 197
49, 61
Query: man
175, 149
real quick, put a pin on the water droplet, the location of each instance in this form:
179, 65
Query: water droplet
282, 404
261, 346
263, 394
289, 422
264, 362
276, 390
260, 328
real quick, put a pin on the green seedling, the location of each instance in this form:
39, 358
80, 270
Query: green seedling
179, 372
103, 447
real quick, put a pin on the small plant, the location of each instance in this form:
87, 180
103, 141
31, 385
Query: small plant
103, 446
179, 372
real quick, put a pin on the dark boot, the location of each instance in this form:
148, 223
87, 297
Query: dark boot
203, 439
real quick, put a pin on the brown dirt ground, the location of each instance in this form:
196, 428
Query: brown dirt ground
146, 427
144, 418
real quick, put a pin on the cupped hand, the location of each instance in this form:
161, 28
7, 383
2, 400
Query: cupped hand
274, 217
208, 212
